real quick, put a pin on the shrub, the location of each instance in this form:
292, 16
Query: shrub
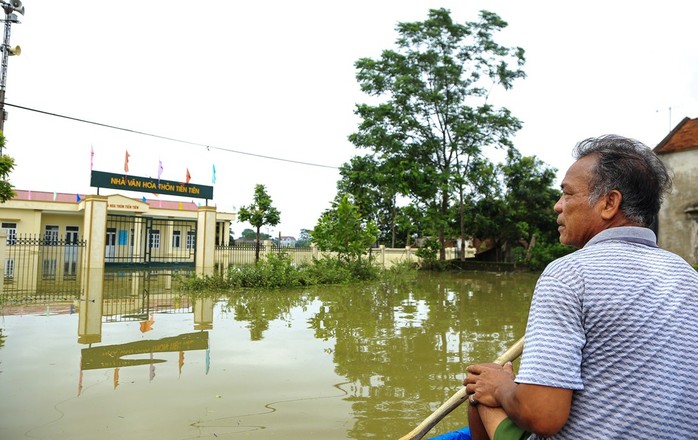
542, 254
429, 253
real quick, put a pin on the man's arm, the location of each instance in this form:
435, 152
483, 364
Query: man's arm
536, 408
483, 421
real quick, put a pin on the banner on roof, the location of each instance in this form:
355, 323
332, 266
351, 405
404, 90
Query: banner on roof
100, 179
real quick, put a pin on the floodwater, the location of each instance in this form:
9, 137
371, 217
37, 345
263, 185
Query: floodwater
339, 362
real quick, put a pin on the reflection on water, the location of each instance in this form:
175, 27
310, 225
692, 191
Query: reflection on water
147, 361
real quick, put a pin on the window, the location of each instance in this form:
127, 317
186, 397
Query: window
51, 235
70, 253
71, 234
176, 239
191, 239
155, 239
111, 237
11, 229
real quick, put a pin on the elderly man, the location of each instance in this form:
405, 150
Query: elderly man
612, 337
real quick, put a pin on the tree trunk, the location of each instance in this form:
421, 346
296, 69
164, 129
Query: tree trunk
392, 225
256, 248
462, 226
442, 233
530, 246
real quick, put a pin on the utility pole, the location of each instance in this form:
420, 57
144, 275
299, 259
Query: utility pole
10, 7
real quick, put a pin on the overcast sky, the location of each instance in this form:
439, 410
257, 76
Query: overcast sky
276, 78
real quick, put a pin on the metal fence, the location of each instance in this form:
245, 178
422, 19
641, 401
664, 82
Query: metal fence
42, 268
244, 254
145, 240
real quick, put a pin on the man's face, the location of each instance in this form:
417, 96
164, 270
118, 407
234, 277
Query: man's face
578, 221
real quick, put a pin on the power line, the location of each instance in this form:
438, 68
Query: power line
142, 133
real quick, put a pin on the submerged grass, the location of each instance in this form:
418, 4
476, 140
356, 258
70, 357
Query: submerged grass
278, 270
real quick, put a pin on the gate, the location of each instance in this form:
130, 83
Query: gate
149, 241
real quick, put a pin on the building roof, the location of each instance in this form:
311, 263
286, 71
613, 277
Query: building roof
45, 196
683, 137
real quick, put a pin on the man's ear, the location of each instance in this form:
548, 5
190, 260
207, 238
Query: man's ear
611, 207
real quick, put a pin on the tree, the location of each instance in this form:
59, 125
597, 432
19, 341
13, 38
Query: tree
520, 211
248, 234
374, 192
530, 197
435, 119
260, 213
304, 238
7, 164
342, 230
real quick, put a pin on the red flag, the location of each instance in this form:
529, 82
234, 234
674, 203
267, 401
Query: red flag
188, 176
116, 377
126, 162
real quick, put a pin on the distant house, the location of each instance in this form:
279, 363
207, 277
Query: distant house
287, 241
678, 218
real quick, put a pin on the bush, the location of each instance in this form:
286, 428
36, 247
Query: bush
329, 271
195, 283
278, 270
542, 254
429, 253
403, 271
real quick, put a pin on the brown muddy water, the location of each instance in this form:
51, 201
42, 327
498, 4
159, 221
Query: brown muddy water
340, 362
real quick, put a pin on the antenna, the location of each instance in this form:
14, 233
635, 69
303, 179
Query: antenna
669, 110
10, 7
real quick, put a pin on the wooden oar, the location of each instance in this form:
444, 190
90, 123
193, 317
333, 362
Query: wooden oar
459, 397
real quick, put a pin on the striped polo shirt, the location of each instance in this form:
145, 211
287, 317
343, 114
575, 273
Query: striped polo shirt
617, 322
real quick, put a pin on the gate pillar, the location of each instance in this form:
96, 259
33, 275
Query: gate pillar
205, 240
95, 227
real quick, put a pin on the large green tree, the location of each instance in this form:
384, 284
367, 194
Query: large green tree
341, 229
433, 116
260, 213
530, 197
251, 234
519, 211
7, 164
374, 191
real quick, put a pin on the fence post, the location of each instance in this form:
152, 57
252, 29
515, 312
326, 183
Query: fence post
95, 227
3, 258
267, 248
313, 248
408, 254
381, 249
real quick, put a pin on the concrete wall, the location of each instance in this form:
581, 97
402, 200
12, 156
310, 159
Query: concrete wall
382, 256
678, 225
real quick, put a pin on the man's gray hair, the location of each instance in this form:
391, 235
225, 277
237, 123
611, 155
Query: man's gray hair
630, 167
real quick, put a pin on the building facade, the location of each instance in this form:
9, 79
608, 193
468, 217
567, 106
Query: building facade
48, 233
678, 218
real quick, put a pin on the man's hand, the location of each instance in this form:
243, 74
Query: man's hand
485, 383
536, 408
